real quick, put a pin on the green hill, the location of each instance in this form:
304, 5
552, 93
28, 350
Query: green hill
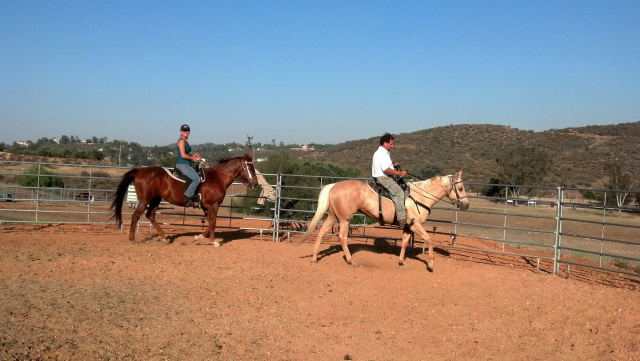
579, 153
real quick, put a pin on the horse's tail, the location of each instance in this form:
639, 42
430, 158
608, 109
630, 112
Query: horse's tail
323, 205
118, 198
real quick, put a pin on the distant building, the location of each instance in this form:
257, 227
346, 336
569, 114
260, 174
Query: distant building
22, 143
304, 148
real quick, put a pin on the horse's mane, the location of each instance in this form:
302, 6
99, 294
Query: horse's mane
228, 159
444, 179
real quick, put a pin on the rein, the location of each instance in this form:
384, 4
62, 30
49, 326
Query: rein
432, 196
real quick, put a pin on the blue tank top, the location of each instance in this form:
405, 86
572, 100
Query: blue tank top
187, 149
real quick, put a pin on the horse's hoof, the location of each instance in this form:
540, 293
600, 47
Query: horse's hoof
430, 266
216, 244
164, 240
400, 263
314, 261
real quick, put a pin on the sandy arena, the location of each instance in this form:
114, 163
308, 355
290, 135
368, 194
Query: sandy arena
72, 292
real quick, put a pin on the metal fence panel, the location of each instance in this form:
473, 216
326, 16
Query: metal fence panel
559, 224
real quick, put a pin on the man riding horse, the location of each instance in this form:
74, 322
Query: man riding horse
381, 169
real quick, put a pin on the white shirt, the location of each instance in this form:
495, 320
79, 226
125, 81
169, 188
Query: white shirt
381, 162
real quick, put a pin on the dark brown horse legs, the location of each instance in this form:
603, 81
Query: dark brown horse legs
135, 217
152, 218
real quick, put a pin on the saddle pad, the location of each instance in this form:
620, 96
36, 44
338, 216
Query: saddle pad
174, 176
173, 172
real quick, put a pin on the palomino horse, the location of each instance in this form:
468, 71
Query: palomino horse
344, 199
154, 183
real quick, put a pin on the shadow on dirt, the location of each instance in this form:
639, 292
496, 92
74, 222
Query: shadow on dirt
380, 246
188, 237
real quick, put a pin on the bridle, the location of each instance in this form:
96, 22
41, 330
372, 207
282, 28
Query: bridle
453, 188
458, 200
245, 168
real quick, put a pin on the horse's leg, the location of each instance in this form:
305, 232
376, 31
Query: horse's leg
406, 236
343, 235
326, 226
151, 216
211, 214
135, 217
417, 228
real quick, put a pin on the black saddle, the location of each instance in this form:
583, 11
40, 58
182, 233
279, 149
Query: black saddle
178, 174
384, 193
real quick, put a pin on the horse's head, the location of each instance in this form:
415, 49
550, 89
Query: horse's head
248, 173
457, 194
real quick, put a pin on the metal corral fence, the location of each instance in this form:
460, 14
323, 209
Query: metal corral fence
82, 194
551, 224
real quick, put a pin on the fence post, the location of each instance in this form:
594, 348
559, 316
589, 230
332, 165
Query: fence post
276, 212
558, 241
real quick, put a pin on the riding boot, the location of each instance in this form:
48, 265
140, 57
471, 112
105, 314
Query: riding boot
188, 202
402, 223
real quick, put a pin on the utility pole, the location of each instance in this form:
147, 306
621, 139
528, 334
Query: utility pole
249, 147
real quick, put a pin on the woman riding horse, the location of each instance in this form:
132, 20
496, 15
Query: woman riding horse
153, 184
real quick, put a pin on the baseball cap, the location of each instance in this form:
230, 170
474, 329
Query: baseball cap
185, 128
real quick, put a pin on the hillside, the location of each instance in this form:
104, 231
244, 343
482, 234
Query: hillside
579, 153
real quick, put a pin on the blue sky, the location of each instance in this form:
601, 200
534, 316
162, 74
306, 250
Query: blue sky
312, 71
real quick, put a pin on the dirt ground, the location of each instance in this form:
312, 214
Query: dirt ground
72, 292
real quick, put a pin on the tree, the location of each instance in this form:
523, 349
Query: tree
279, 162
168, 162
40, 177
493, 190
619, 179
523, 166
64, 139
429, 171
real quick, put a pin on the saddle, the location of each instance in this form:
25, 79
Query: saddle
384, 193
178, 174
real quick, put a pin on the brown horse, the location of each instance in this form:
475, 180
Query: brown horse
344, 199
154, 183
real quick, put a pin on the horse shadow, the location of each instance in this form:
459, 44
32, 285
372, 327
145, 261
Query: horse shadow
221, 236
381, 246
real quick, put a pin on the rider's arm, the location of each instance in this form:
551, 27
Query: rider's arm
401, 173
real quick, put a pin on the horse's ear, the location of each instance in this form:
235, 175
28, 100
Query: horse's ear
247, 156
459, 174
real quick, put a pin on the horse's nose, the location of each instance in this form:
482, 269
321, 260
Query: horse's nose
464, 205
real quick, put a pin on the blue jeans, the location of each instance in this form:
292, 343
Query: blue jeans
191, 173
